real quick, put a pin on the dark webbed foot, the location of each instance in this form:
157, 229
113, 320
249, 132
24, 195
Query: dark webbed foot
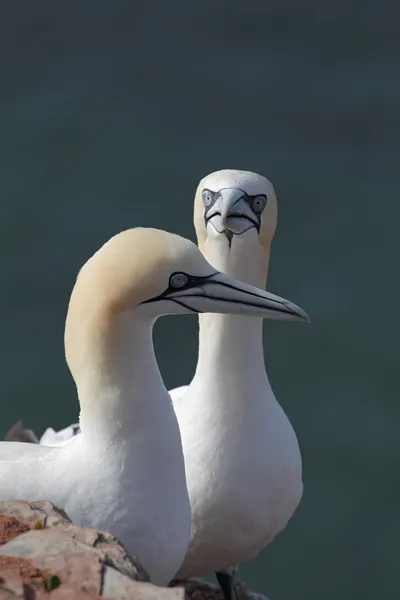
227, 582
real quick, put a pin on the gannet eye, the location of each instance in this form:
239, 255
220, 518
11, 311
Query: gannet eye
208, 197
178, 280
259, 203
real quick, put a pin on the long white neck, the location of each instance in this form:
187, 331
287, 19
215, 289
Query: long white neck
122, 389
229, 342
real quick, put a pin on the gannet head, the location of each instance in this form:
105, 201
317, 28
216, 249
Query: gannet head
235, 216
235, 203
149, 273
161, 273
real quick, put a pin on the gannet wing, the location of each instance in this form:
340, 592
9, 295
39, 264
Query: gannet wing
17, 433
59, 438
21, 451
178, 393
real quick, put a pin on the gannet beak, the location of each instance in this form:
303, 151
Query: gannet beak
232, 205
222, 294
231, 212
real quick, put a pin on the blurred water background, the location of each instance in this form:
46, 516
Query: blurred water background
110, 113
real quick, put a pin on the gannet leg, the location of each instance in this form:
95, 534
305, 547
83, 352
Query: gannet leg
227, 582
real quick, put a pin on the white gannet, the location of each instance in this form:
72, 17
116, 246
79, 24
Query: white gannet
125, 471
242, 458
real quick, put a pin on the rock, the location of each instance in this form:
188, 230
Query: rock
199, 589
17, 433
27, 515
42, 514
42, 551
14, 572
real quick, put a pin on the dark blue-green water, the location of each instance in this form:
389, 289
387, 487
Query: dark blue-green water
110, 113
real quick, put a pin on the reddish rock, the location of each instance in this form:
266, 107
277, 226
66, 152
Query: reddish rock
20, 578
10, 527
15, 572
56, 552
18, 516
39, 544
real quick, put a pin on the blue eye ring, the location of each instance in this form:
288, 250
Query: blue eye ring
208, 197
259, 203
178, 280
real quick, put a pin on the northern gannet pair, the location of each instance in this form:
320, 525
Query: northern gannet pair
242, 459
125, 472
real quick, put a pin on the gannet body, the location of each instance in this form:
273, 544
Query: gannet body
242, 458
125, 471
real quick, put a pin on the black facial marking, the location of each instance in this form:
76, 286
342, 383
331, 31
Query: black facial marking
191, 281
178, 280
209, 198
257, 204
181, 303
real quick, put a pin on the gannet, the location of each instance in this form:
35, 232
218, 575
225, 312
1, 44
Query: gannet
125, 471
242, 458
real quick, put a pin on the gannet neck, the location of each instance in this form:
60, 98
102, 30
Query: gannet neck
228, 342
245, 259
121, 385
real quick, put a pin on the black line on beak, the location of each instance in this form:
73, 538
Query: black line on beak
282, 308
232, 287
193, 281
193, 310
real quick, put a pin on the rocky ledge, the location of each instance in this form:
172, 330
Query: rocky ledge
43, 555
41, 551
